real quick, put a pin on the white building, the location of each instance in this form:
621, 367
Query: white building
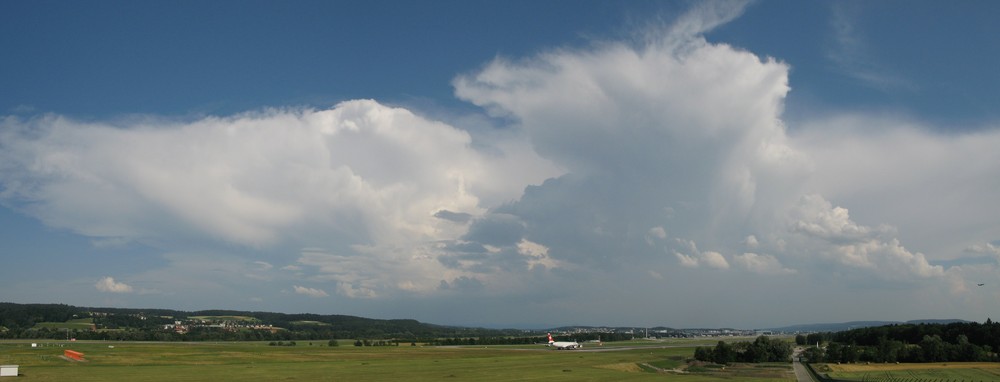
8, 370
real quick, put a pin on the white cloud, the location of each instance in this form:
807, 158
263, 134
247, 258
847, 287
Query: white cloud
360, 169
853, 56
765, 264
937, 190
108, 284
354, 275
696, 258
537, 255
688, 133
815, 216
856, 245
987, 248
687, 261
364, 178
658, 232
701, 18
832, 223
311, 292
695, 129
714, 260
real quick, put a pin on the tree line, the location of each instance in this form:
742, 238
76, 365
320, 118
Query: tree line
762, 349
19, 321
953, 342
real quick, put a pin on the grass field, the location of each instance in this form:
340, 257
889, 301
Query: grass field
915, 372
317, 323
224, 318
315, 361
79, 323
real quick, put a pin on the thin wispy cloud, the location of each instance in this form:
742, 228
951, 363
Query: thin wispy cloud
851, 54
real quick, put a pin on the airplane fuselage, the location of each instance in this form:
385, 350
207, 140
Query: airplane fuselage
563, 345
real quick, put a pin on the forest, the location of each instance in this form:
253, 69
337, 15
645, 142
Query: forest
952, 342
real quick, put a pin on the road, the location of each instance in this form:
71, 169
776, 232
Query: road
801, 373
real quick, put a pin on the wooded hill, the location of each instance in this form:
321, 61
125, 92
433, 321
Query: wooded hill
39, 321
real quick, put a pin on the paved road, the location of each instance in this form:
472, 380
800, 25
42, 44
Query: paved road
802, 374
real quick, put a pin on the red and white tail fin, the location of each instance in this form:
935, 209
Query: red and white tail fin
550, 338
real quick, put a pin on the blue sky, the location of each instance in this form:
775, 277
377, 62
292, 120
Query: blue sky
520, 163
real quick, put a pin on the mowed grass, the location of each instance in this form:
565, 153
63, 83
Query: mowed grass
951, 371
223, 318
79, 323
253, 360
317, 323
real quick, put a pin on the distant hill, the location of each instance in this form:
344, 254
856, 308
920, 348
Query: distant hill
842, 326
18, 320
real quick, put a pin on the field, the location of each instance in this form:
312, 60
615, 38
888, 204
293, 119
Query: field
915, 372
317, 323
314, 360
224, 318
79, 324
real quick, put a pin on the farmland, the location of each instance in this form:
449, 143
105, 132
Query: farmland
143, 361
916, 372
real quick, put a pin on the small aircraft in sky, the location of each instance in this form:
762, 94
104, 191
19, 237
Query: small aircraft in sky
980, 284
561, 345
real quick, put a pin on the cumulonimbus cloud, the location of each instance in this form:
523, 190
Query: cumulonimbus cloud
686, 137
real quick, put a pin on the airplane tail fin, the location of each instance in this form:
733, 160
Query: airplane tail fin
550, 338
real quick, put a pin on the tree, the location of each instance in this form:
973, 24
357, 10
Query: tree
333, 343
834, 352
849, 353
887, 350
763, 349
815, 338
724, 353
967, 352
934, 349
814, 354
800, 340
703, 354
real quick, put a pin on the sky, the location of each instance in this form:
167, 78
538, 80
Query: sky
505, 164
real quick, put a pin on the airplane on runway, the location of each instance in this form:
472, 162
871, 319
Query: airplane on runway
561, 345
